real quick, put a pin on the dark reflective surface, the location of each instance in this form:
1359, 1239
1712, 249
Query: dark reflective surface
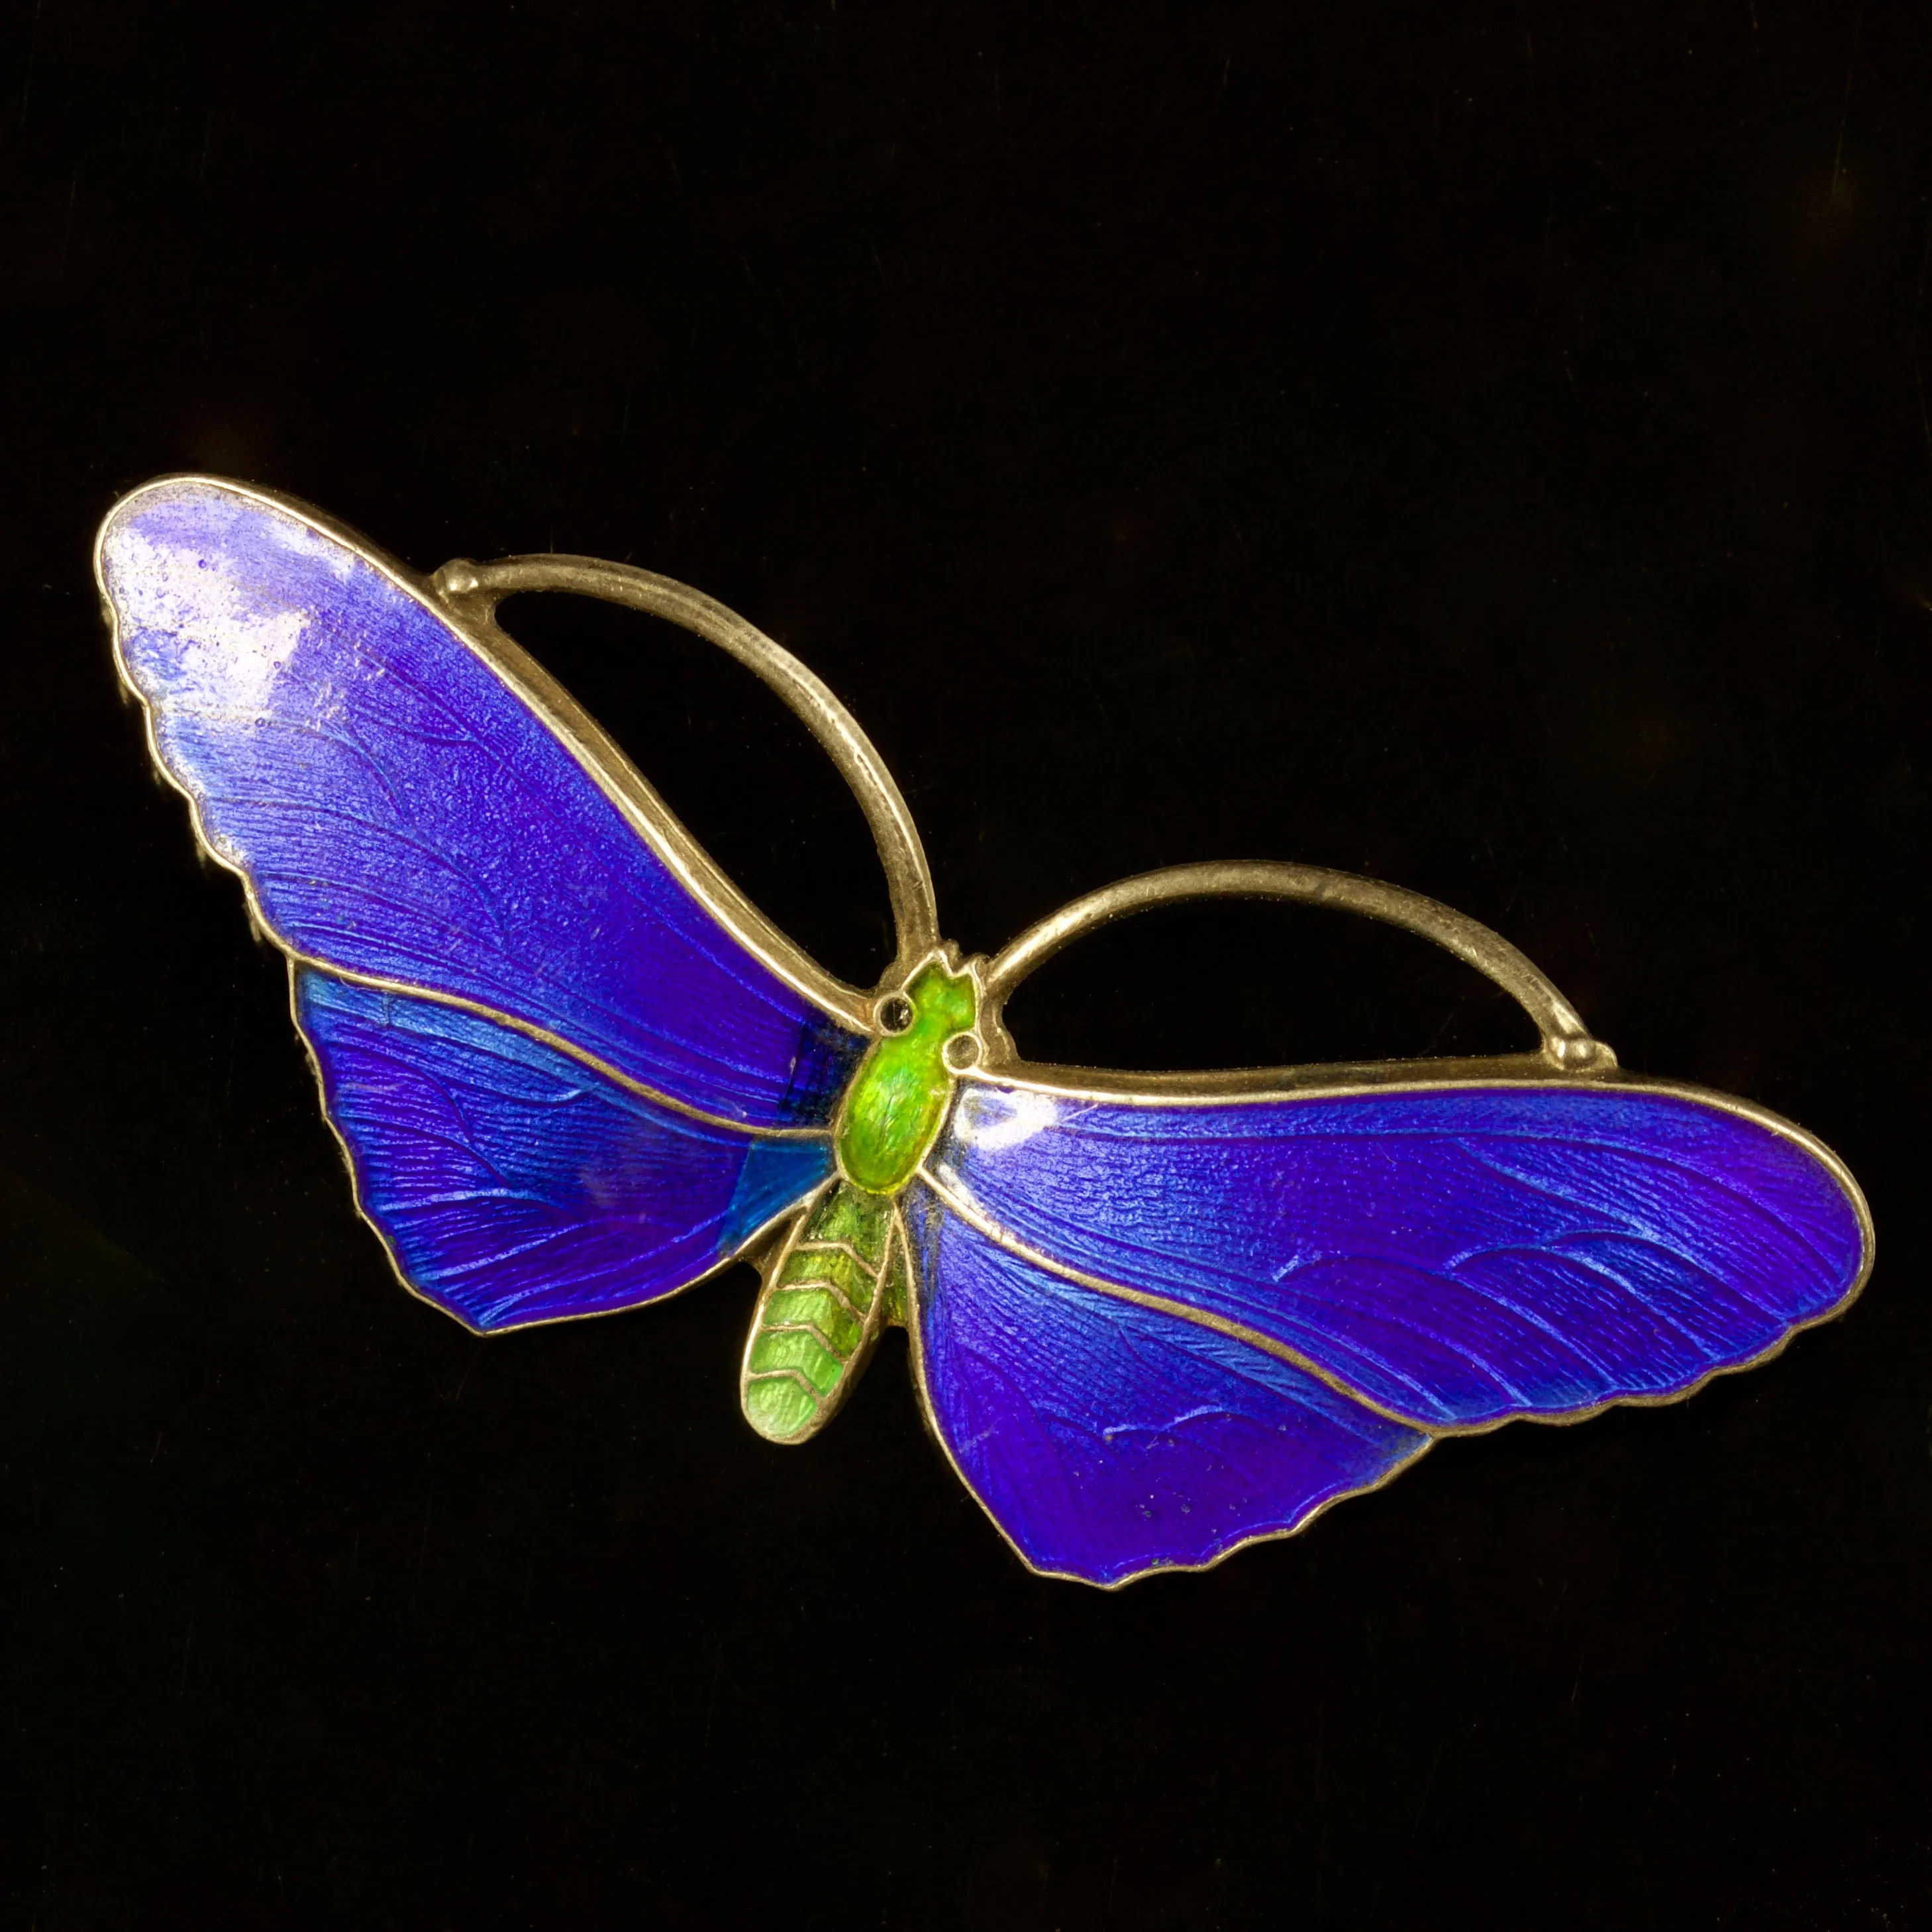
1488, 450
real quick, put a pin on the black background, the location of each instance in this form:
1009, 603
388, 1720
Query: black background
1482, 445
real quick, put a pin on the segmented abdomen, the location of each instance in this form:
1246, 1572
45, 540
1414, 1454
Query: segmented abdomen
828, 1291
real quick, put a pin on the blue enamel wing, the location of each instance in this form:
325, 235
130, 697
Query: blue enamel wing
1153, 1317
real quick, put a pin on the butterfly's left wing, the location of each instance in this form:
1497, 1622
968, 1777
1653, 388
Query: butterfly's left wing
573, 1070
1345, 1275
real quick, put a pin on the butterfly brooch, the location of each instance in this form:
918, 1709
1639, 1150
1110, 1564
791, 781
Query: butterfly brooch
1153, 1317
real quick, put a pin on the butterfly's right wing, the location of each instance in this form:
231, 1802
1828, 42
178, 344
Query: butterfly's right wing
1153, 1323
574, 1070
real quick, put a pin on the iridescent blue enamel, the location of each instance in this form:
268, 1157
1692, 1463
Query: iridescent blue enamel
404, 817
401, 813
574, 1073
514, 1187
1414, 1263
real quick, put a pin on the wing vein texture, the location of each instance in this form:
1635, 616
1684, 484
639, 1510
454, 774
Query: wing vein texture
1456, 1255
1108, 1440
1754, 1208
403, 814
511, 1189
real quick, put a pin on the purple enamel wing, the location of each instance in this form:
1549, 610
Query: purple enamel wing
1152, 1318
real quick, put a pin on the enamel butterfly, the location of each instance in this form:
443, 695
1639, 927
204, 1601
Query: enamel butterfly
1153, 1317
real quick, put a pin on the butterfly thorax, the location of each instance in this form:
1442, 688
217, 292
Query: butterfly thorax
892, 1112
837, 1277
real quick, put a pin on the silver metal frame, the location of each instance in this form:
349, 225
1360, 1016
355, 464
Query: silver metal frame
471, 592
1566, 1043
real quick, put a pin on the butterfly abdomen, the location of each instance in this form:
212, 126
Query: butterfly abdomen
828, 1291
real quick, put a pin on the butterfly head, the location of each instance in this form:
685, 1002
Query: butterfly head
928, 1033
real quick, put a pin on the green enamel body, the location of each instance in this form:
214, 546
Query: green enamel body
892, 1112
840, 1276
835, 1284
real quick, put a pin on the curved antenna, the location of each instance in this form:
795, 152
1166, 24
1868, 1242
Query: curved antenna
476, 590
1567, 1042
